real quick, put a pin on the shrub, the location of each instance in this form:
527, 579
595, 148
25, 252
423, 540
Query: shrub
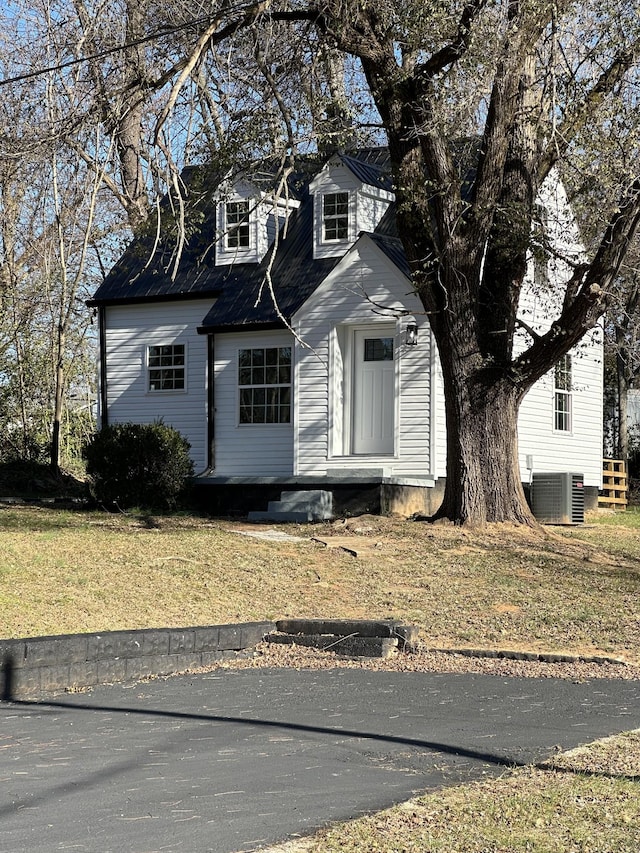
145, 465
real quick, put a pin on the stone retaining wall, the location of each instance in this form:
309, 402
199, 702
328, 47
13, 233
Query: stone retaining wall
47, 664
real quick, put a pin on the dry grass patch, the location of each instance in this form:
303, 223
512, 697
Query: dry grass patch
504, 588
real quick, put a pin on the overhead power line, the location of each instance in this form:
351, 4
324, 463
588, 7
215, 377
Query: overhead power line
38, 72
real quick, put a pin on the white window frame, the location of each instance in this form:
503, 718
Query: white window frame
335, 217
253, 388
173, 363
237, 221
562, 395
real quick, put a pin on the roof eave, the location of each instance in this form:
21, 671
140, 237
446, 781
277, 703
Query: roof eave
241, 327
165, 297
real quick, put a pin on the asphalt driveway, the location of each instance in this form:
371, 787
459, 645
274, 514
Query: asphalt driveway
234, 760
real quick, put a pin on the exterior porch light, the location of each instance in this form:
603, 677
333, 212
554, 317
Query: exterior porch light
412, 335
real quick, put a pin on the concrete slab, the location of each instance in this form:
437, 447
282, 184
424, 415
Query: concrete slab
268, 534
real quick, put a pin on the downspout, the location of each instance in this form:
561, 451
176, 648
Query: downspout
211, 410
102, 368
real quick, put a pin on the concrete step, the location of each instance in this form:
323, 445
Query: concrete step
369, 647
316, 501
298, 506
407, 634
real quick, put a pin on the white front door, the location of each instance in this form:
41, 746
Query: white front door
373, 391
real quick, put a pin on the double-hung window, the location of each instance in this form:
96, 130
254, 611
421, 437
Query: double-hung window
264, 381
237, 225
335, 217
562, 395
166, 367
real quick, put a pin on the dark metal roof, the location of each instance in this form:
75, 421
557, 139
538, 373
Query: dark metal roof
394, 250
373, 174
145, 270
387, 224
246, 295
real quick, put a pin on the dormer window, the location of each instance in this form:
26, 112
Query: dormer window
335, 217
237, 225
348, 197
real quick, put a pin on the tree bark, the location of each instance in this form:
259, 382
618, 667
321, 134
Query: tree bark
623, 400
483, 474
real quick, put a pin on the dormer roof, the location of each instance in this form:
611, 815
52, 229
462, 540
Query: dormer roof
242, 296
246, 296
372, 174
370, 167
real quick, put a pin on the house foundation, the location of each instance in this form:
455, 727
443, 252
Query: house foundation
368, 495
373, 495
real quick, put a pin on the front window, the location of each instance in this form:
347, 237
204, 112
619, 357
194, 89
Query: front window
264, 380
335, 216
562, 395
237, 224
166, 367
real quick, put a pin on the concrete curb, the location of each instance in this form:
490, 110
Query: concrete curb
372, 638
73, 661
542, 657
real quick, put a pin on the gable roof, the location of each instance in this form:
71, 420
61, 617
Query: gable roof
246, 294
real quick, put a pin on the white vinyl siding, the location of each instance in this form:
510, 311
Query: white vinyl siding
130, 331
579, 450
579, 447
247, 449
326, 323
576, 450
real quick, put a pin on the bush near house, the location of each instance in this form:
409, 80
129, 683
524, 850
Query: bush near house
138, 465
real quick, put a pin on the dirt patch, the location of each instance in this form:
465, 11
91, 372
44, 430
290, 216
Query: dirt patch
357, 546
506, 608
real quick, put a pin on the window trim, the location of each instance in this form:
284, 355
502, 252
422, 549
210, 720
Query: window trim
562, 395
239, 228
334, 218
257, 386
169, 367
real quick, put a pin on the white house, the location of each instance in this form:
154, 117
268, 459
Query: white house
292, 352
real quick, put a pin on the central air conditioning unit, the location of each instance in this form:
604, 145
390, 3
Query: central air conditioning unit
558, 498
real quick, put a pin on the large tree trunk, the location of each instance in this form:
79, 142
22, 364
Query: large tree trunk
483, 473
623, 402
